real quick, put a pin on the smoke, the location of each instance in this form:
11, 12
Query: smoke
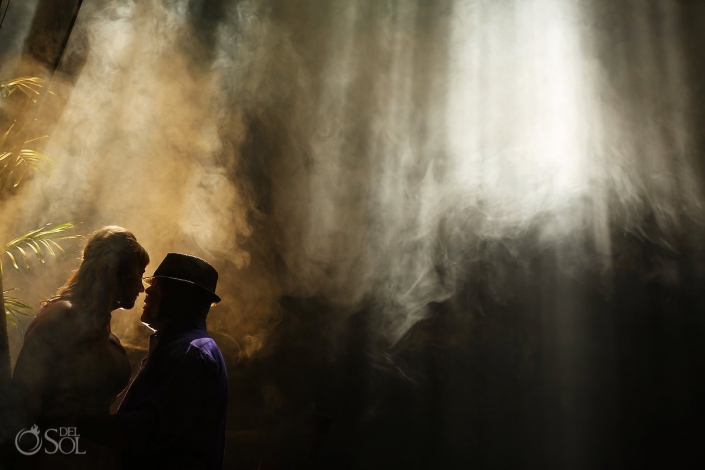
364, 152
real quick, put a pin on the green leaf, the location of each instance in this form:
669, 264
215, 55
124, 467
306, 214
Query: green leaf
63, 252
17, 183
14, 263
28, 85
15, 306
7, 133
24, 256
40, 240
46, 243
37, 250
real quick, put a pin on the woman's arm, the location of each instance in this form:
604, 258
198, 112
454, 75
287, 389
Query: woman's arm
47, 338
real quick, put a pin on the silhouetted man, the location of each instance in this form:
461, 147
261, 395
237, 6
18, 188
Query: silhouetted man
173, 414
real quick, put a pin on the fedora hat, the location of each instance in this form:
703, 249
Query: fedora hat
188, 269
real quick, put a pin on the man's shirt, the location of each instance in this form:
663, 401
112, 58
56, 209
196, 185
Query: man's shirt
174, 411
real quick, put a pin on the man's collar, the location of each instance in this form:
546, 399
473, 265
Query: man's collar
178, 325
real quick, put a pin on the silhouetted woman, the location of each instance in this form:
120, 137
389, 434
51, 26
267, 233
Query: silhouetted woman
71, 365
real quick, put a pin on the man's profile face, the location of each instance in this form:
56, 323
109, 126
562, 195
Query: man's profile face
152, 301
167, 299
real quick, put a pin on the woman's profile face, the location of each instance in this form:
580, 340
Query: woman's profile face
130, 287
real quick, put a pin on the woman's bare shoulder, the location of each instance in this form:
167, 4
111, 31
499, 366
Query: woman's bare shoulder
52, 318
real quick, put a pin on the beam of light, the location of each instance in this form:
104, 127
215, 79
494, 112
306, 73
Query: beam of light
519, 115
537, 127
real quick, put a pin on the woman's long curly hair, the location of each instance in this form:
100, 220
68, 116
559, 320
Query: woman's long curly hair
110, 253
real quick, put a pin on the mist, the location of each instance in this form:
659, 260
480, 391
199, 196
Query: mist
383, 160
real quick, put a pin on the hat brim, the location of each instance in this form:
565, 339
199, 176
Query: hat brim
214, 297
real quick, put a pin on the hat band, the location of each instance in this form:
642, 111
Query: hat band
215, 296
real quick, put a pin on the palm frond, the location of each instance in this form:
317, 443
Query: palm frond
38, 241
14, 307
15, 158
28, 85
36, 161
5, 135
24, 160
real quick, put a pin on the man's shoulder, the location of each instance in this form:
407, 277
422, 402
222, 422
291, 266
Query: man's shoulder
207, 349
203, 359
195, 346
